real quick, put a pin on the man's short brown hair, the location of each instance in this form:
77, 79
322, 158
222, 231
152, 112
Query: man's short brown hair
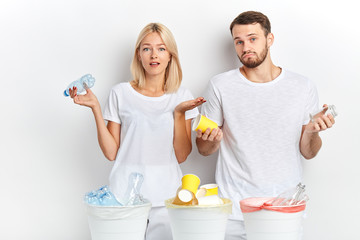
252, 17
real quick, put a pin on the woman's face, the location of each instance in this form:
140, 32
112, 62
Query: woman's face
153, 55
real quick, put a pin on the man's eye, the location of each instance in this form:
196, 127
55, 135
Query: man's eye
253, 39
239, 42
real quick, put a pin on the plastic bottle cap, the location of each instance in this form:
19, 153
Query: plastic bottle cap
65, 94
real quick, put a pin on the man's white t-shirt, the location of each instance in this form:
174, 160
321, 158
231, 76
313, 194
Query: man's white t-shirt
146, 141
259, 154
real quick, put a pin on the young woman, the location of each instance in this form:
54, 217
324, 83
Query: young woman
149, 124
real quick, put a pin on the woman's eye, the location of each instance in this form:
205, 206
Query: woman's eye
146, 49
162, 49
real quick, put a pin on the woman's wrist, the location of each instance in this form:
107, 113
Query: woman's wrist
178, 114
96, 108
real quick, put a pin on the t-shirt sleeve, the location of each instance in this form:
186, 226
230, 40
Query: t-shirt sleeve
190, 114
212, 108
312, 101
111, 110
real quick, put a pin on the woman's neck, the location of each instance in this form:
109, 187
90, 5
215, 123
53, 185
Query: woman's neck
154, 86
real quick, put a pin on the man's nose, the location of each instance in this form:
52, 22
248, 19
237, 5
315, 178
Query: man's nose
246, 47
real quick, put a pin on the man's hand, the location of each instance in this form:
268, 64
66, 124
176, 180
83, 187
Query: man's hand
213, 136
320, 122
209, 141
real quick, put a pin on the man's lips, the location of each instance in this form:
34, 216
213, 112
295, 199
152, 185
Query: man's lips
246, 55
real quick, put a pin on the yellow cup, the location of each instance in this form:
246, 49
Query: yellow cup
185, 197
190, 182
207, 190
203, 123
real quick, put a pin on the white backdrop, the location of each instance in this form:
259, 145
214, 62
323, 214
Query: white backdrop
49, 152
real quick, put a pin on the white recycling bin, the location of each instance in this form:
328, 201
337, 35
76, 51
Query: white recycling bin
207, 222
264, 222
118, 222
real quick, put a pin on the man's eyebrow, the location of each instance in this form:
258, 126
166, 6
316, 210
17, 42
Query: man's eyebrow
249, 35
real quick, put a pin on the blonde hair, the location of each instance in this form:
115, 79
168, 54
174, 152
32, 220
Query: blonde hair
173, 73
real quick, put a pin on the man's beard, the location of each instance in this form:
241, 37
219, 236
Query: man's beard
253, 63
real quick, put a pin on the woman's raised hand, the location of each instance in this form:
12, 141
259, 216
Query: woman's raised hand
188, 105
89, 99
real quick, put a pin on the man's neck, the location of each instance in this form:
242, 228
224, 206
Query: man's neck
261, 74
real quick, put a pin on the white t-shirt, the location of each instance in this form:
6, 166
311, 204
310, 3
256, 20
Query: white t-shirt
146, 141
261, 122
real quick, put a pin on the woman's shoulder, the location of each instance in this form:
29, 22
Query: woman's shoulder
182, 94
119, 88
181, 91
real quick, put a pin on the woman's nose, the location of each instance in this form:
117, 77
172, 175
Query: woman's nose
153, 55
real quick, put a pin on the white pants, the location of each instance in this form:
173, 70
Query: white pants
235, 230
158, 227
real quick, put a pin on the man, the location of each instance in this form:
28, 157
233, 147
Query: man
263, 114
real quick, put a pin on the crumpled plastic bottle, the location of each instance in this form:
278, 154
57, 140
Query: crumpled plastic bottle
132, 195
85, 82
92, 198
329, 109
291, 197
101, 197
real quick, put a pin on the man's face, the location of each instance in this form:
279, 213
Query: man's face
251, 45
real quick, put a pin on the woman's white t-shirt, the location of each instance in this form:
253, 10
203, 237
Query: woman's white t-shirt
146, 141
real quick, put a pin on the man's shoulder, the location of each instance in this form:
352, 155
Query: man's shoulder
225, 76
298, 79
294, 75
